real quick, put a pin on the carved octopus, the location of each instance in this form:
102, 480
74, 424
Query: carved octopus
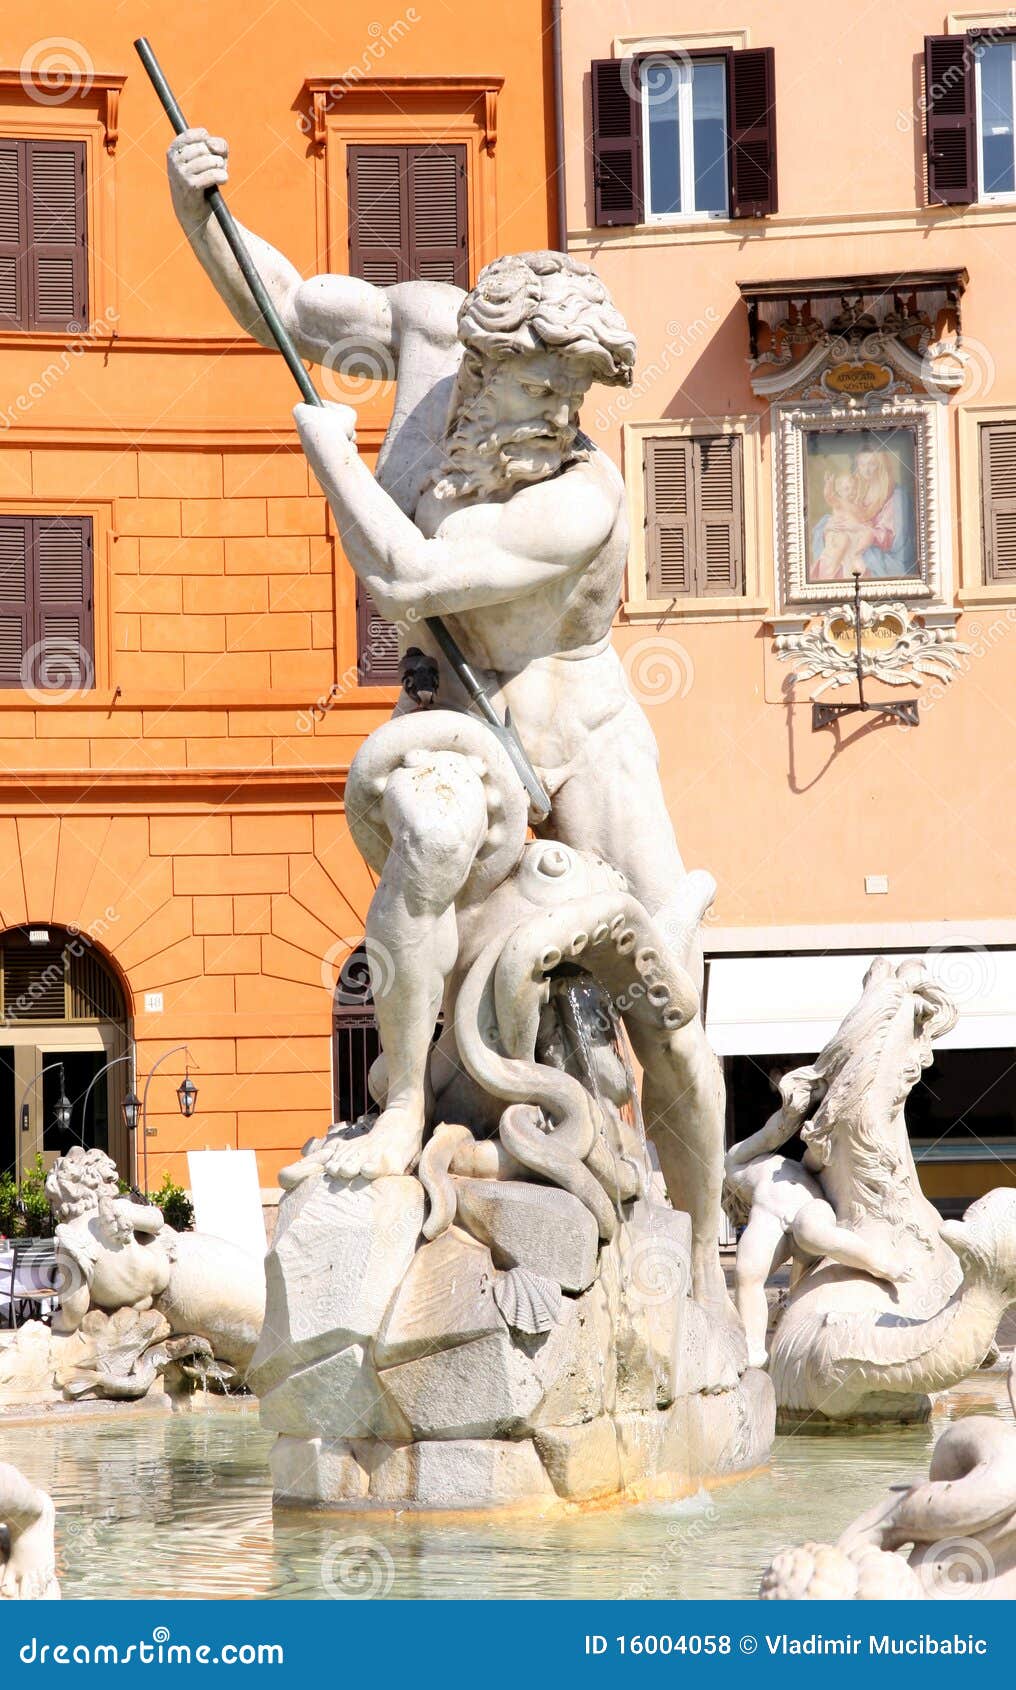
562, 914
547, 935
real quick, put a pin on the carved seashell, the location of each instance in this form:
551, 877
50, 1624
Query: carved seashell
528, 1302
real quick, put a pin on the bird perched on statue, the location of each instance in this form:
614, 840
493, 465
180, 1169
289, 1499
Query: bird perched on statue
419, 674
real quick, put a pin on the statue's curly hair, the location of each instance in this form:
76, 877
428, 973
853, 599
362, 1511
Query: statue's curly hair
546, 301
78, 1182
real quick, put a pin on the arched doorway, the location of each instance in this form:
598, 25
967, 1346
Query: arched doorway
63, 1018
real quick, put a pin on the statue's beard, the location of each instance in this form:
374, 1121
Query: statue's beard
484, 456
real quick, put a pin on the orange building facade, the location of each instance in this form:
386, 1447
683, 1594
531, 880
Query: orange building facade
184, 673
811, 226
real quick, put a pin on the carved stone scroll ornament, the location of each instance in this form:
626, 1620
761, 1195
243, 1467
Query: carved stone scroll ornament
897, 647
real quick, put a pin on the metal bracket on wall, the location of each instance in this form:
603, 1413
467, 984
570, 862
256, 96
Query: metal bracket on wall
902, 710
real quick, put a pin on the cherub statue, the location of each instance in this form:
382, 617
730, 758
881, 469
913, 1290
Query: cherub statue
785, 1213
112, 1252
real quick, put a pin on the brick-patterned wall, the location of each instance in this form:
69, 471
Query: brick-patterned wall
235, 916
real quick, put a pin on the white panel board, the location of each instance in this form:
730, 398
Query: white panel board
227, 1197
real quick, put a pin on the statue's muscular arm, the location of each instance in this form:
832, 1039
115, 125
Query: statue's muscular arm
482, 555
317, 313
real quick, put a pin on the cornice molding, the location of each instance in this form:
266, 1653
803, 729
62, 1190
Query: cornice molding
324, 93
94, 88
101, 787
18, 340
141, 434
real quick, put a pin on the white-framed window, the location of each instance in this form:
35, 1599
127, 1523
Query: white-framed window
996, 107
684, 137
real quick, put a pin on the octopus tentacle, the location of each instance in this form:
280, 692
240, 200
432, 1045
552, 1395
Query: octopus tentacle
517, 1079
522, 1134
434, 1175
612, 936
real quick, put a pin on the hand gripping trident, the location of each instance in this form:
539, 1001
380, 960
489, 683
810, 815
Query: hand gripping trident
539, 803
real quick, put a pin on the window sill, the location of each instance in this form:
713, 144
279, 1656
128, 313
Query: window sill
734, 608
999, 592
694, 220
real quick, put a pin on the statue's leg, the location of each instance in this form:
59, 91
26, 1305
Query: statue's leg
436, 814
763, 1246
683, 1107
612, 803
74, 1304
818, 1233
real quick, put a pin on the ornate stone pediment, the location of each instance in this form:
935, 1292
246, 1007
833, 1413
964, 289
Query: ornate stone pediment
858, 372
855, 335
896, 646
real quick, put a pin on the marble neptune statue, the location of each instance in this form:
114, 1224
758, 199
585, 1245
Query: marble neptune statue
490, 508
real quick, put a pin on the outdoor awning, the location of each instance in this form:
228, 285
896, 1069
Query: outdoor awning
778, 1005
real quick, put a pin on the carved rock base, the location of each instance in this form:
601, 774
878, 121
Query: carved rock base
658, 1456
478, 1382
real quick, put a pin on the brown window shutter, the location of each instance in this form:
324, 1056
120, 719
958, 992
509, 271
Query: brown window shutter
63, 632
377, 643
751, 132
950, 123
15, 597
408, 214
57, 289
378, 214
669, 471
438, 229
998, 500
617, 144
719, 552
13, 235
